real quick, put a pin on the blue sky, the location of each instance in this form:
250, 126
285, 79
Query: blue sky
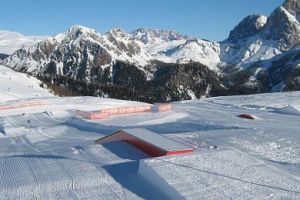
208, 19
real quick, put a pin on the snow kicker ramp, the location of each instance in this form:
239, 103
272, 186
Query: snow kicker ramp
227, 174
149, 142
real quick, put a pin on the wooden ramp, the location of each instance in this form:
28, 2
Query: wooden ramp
149, 142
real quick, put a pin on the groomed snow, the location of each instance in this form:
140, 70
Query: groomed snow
225, 174
48, 153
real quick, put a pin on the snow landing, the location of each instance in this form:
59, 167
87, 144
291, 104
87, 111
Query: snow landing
226, 174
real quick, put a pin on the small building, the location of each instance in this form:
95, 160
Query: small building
149, 142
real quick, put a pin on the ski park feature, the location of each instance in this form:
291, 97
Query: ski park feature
47, 152
149, 142
134, 109
161, 107
248, 116
92, 115
211, 177
25, 104
127, 110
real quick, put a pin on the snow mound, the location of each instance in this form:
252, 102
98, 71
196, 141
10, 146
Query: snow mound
209, 175
288, 110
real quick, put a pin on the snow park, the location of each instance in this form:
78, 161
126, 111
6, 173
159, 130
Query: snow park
151, 113
194, 149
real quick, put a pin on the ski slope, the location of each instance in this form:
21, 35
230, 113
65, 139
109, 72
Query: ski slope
15, 85
46, 152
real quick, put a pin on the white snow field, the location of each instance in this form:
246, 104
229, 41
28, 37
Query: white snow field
46, 152
14, 85
12, 41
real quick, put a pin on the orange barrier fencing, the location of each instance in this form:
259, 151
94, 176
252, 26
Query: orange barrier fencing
24, 105
127, 110
92, 114
161, 107
106, 113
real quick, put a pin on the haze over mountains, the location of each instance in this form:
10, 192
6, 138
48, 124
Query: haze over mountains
261, 54
12, 41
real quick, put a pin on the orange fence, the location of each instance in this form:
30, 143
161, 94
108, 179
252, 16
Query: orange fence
24, 105
92, 114
106, 113
127, 110
161, 107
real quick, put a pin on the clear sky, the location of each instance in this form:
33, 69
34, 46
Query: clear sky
208, 19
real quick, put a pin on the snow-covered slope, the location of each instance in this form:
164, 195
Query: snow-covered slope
15, 85
12, 41
47, 152
195, 50
173, 47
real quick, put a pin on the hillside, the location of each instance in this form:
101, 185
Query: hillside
15, 85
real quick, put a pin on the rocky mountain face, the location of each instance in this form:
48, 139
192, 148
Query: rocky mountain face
293, 7
249, 26
271, 53
81, 54
261, 54
3, 56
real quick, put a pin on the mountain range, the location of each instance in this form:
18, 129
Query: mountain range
261, 54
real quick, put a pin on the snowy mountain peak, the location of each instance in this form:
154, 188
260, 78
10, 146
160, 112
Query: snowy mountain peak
152, 36
196, 50
74, 32
283, 27
117, 32
249, 26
